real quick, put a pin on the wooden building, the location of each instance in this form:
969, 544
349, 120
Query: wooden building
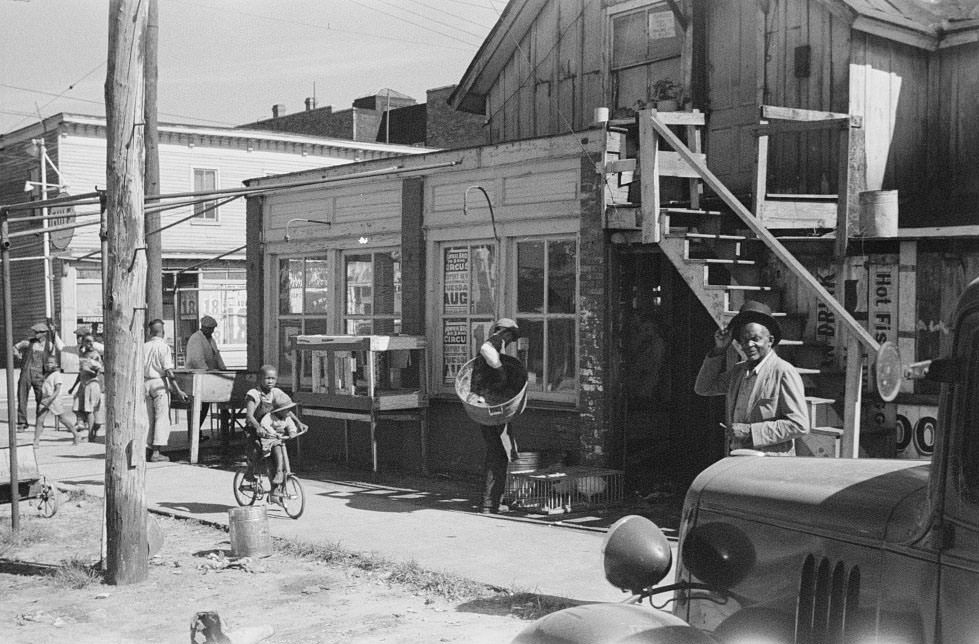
795, 106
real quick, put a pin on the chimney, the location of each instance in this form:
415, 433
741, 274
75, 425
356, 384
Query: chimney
278, 110
310, 103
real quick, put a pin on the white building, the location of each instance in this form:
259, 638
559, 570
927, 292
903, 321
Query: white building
192, 158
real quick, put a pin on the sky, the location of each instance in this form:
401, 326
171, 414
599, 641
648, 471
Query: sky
226, 62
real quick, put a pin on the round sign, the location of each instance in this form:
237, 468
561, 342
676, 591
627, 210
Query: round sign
889, 371
60, 216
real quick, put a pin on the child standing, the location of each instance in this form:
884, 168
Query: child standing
268, 410
53, 403
88, 398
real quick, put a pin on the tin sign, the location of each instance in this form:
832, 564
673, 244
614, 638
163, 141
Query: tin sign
61, 216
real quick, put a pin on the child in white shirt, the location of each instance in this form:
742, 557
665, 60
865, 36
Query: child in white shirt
55, 402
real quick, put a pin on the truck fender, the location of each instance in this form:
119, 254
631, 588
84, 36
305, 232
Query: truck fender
611, 624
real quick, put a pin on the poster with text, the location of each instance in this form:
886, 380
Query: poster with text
456, 281
455, 348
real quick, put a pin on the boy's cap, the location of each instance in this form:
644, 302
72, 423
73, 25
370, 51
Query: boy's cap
40, 327
83, 329
283, 408
208, 322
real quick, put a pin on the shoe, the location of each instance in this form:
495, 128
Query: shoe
76, 442
159, 458
489, 511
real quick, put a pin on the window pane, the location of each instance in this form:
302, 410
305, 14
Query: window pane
561, 273
314, 326
483, 291
629, 41
360, 282
533, 330
205, 180
359, 327
317, 281
385, 326
530, 277
387, 290
290, 286
561, 366
287, 329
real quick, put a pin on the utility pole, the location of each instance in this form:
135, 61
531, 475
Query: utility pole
124, 297
154, 243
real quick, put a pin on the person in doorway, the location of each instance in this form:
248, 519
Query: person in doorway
33, 353
158, 385
491, 381
766, 401
53, 403
266, 407
89, 403
203, 353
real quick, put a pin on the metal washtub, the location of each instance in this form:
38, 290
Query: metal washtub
479, 410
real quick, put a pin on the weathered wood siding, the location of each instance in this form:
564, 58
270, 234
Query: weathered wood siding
889, 88
555, 78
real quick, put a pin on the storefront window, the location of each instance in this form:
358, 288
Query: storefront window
303, 304
546, 283
468, 303
373, 293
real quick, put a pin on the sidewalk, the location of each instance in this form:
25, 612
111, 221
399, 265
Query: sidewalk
395, 523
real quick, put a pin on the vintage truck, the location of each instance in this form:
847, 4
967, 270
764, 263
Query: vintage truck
812, 551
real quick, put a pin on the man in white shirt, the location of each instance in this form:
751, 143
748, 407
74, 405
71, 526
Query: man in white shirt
203, 353
158, 383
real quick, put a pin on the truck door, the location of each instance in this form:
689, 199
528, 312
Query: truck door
959, 571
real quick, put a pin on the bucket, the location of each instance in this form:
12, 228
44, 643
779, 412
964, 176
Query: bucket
878, 213
525, 462
493, 414
249, 531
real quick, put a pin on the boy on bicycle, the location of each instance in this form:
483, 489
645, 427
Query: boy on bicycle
270, 414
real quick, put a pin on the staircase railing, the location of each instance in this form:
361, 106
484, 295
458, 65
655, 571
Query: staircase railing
651, 131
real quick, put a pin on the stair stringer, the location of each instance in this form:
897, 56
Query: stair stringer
713, 300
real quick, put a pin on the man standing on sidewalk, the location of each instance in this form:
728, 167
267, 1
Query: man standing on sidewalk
33, 353
158, 383
203, 353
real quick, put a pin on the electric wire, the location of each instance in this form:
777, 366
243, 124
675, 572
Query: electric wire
447, 13
431, 19
411, 22
61, 95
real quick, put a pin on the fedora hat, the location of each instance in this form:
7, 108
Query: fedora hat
759, 313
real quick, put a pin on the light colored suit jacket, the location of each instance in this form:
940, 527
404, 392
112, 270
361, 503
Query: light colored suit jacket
777, 409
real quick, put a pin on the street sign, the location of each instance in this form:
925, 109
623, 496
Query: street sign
60, 216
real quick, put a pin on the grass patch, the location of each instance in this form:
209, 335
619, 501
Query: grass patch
30, 532
530, 605
432, 583
77, 573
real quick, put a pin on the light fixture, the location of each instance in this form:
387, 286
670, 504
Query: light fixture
363, 240
30, 185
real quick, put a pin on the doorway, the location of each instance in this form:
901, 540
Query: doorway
662, 334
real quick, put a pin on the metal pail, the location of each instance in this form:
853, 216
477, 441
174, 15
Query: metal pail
249, 530
483, 413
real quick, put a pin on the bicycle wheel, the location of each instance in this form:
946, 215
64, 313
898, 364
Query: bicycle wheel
48, 501
247, 491
292, 499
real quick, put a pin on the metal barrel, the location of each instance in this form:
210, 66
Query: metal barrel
486, 414
249, 531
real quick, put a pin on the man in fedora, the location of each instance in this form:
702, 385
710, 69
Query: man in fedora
766, 401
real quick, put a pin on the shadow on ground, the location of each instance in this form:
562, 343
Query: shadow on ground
525, 605
196, 508
26, 568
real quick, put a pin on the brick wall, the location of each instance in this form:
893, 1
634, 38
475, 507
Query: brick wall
593, 320
448, 128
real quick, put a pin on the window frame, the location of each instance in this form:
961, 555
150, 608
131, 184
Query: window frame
212, 217
344, 316
645, 7
274, 345
560, 397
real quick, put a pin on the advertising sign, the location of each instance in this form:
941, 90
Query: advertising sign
60, 216
456, 281
455, 349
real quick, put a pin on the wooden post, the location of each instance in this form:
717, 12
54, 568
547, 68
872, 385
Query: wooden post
8, 335
852, 179
154, 242
761, 175
649, 176
853, 397
124, 297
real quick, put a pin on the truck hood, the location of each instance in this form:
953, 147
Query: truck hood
870, 500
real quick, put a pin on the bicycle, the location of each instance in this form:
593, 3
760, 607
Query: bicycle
290, 495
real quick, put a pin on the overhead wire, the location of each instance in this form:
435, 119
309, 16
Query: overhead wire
61, 95
430, 19
447, 13
411, 22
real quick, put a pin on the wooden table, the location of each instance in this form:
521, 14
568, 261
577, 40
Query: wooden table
205, 386
371, 418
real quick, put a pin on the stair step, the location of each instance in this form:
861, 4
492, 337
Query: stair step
719, 260
738, 287
775, 314
806, 371
690, 211
718, 237
816, 400
790, 343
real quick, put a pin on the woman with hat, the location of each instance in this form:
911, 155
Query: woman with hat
766, 400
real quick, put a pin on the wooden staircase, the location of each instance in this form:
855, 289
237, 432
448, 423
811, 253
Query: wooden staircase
726, 255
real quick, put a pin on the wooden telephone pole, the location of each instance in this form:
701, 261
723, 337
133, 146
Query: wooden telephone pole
154, 243
124, 297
